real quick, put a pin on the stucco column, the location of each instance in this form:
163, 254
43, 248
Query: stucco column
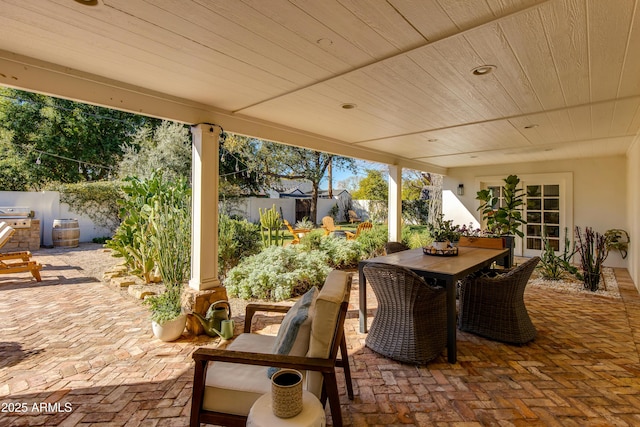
204, 235
395, 203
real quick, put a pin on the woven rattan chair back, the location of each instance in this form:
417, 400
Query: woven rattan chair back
410, 324
392, 247
493, 307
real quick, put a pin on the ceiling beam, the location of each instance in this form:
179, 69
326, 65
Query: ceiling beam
22, 72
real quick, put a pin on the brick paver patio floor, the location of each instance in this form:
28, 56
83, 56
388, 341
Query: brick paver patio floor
75, 352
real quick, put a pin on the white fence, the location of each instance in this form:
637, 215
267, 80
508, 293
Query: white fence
248, 208
47, 207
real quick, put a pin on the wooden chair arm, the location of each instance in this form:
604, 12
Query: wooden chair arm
252, 308
205, 355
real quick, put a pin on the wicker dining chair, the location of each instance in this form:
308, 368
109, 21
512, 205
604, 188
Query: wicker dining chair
392, 247
493, 306
410, 324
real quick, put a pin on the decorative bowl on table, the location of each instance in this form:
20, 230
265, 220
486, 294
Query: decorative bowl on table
448, 251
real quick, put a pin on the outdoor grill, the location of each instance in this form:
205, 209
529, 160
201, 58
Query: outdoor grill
16, 217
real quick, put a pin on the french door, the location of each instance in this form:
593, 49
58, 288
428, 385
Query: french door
548, 210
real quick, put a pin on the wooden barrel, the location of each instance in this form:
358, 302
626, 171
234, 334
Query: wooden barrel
66, 233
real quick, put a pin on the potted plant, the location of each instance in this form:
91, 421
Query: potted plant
171, 240
504, 219
443, 232
167, 320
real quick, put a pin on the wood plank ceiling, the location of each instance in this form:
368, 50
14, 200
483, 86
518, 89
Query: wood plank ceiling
566, 82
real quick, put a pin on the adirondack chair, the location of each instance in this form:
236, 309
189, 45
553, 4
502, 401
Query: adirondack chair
353, 216
16, 262
363, 226
328, 225
295, 232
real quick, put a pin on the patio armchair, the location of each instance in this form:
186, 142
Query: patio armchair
353, 216
227, 382
492, 304
410, 324
329, 226
363, 226
16, 262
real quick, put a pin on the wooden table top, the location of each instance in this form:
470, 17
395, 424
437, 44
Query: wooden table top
466, 261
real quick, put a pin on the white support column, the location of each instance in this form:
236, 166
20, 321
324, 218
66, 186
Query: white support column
395, 203
204, 235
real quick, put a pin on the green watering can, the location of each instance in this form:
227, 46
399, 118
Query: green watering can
217, 321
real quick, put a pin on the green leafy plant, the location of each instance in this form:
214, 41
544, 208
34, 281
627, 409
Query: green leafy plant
420, 239
333, 212
237, 239
133, 240
93, 199
305, 224
554, 267
442, 230
171, 240
277, 273
505, 219
618, 240
372, 242
166, 306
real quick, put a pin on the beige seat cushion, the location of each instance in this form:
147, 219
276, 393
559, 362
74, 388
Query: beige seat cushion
233, 388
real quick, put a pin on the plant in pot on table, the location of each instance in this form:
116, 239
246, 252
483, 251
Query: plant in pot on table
504, 219
171, 238
444, 233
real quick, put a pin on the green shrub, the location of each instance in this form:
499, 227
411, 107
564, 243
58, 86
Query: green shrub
372, 242
237, 239
313, 240
93, 199
277, 273
419, 239
340, 252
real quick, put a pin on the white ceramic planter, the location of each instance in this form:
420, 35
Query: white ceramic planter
171, 330
441, 246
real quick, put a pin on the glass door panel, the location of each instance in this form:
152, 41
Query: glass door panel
543, 216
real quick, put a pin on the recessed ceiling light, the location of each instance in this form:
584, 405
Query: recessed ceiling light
531, 126
88, 2
349, 106
483, 70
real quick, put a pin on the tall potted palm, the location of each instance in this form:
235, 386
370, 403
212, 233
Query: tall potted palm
504, 219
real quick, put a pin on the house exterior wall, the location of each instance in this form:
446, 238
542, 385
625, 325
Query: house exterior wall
633, 197
600, 196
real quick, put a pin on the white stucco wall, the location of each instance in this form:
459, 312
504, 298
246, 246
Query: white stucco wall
633, 209
599, 191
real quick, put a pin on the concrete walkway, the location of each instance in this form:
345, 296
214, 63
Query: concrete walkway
75, 352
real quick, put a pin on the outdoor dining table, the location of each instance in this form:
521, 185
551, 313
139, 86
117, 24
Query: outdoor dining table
445, 269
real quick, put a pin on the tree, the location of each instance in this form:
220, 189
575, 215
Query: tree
373, 186
272, 162
167, 147
61, 140
240, 171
